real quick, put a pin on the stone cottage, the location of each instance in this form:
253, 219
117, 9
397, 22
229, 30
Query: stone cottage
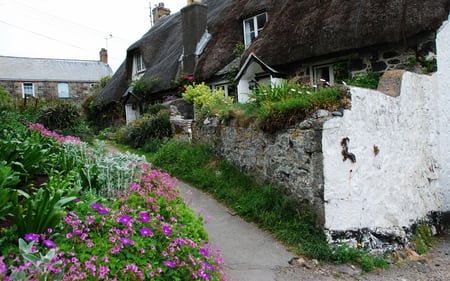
50, 79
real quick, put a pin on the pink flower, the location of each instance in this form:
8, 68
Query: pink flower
127, 241
169, 264
146, 232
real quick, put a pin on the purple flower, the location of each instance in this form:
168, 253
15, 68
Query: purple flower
144, 217
169, 264
204, 252
31, 237
127, 241
125, 219
146, 232
103, 210
166, 230
96, 206
49, 243
208, 266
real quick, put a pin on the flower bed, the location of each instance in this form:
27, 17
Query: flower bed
141, 232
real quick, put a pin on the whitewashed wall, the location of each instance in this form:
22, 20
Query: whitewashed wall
410, 174
443, 99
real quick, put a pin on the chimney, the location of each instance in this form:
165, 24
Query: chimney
189, 2
104, 56
193, 22
159, 12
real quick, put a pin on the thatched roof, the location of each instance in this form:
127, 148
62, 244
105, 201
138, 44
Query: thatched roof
296, 31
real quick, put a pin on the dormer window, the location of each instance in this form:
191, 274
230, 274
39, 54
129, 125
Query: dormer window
138, 66
252, 27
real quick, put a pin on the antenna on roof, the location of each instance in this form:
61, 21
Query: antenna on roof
106, 40
150, 13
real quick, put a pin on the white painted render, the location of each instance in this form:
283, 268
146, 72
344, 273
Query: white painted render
402, 149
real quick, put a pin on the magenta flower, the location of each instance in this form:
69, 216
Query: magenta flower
49, 243
204, 252
208, 266
103, 210
125, 219
169, 264
96, 206
127, 241
144, 217
31, 237
146, 232
166, 230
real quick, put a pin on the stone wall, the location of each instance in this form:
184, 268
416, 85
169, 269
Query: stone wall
48, 90
291, 158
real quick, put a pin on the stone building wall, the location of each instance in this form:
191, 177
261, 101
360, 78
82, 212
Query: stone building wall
48, 90
291, 158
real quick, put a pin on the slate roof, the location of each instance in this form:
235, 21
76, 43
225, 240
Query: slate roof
296, 31
40, 69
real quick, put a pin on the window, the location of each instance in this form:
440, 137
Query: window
27, 89
63, 90
138, 65
252, 27
323, 75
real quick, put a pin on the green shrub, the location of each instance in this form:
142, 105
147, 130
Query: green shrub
147, 127
60, 117
5, 99
205, 101
368, 80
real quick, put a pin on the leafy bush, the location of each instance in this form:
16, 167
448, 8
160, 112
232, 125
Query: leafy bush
204, 100
368, 80
60, 117
5, 99
147, 127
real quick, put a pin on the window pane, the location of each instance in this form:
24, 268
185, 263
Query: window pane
28, 89
261, 20
63, 90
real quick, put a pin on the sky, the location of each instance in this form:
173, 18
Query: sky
75, 29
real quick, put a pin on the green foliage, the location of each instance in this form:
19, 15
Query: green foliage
238, 49
147, 127
60, 117
142, 88
5, 99
287, 103
423, 238
368, 80
205, 101
40, 211
156, 108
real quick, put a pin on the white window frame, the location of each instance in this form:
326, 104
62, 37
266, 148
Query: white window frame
316, 78
63, 90
251, 28
26, 89
138, 66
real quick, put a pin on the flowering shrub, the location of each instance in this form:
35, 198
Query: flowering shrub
182, 81
145, 232
48, 133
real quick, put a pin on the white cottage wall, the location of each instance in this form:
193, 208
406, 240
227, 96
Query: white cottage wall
443, 101
402, 149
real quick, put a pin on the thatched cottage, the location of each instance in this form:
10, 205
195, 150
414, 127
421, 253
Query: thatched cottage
234, 44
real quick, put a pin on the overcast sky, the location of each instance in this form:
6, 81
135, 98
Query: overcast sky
75, 29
